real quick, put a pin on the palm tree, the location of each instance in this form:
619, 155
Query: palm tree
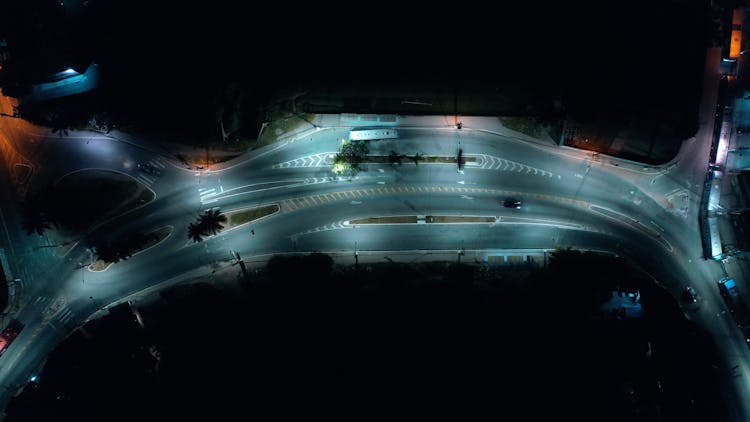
34, 218
108, 251
195, 232
210, 221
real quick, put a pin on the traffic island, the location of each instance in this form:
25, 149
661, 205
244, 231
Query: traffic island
239, 217
457, 219
151, 239
397, 219
421, 219
81, 201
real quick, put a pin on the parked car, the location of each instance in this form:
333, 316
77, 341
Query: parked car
690, 294
512, 203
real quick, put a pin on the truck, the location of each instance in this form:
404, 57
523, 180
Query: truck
731, 294
9, 334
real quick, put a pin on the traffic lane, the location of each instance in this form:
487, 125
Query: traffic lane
61, 156
179, 255
322, 141
25, 355
446, 143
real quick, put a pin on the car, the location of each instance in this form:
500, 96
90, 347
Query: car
690, 294
148, 168
512, 203
9, 334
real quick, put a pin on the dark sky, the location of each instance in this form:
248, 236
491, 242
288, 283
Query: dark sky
167, 55
275, 40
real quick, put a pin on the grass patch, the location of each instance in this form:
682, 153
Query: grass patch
399, 219
457, 219
526, 125
236, 218
281, 126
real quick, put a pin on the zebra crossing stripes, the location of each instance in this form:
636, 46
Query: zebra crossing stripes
149, 179
157, 162
64, 316
207, 195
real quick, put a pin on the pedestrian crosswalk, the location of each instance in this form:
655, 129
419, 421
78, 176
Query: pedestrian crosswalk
150, 179
207, 195
55, 311
64, 316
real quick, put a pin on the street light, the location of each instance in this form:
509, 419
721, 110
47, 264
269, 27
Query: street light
263, 126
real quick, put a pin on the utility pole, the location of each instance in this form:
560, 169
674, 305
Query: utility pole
242, 266
455, 109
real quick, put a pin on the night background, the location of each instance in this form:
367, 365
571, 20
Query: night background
388, 341
305, 339
170, 67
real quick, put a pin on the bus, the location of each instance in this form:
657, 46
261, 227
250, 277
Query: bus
372, 134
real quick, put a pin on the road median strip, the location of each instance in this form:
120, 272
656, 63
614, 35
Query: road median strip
158, 235
414, 219
239, 217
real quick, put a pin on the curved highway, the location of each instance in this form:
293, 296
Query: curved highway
570, 198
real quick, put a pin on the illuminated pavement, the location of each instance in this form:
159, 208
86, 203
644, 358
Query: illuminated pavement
570, 198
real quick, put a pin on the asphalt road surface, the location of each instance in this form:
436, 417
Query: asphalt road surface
570, 198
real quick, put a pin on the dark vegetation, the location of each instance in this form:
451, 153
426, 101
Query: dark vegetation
207, 224
79, 200
121, 248
216, 70
305, 339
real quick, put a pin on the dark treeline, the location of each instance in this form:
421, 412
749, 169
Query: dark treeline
307, 338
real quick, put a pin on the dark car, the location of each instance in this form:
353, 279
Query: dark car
690, 295
148, 168
512, 203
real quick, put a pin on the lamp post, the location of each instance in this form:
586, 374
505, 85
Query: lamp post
260, 132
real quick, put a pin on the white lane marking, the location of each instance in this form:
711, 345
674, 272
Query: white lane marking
144, 179
210, 201
356, 202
